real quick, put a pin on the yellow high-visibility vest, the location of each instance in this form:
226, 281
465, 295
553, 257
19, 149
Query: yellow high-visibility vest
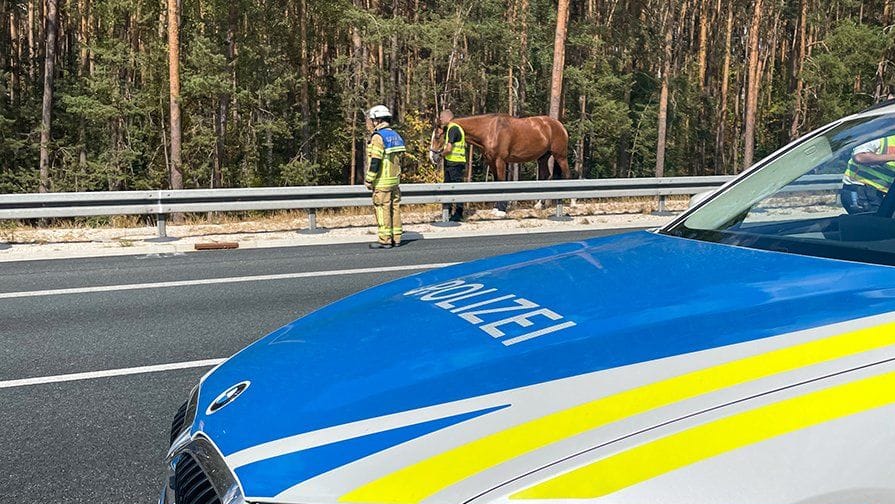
879, 177
458, 152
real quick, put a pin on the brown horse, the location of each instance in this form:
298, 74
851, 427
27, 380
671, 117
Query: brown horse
505, 139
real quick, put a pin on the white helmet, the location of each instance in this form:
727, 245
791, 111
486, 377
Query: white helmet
379, 112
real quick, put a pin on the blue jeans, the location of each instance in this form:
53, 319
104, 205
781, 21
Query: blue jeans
858, 199
454, 172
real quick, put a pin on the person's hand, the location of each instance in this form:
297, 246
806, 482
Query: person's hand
368, 185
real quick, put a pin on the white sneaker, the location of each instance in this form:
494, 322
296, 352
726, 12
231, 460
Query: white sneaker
498, 213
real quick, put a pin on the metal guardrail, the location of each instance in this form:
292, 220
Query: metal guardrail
164, 202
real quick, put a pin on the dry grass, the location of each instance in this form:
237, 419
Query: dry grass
350, 217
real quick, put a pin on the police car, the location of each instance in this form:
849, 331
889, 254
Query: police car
745, 353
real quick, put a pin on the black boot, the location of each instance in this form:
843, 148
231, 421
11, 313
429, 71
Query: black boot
378, 245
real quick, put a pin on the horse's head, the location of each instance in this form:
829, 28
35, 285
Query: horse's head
436, 144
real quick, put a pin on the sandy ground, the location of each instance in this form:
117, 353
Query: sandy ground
128, 236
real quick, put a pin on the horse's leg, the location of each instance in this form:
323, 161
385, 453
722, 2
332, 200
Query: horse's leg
544, 167
563, 163
491, 168
500, 170
500, 175
543, 174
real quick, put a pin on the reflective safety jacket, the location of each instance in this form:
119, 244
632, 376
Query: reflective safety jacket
386, 145
458, 152
880, 176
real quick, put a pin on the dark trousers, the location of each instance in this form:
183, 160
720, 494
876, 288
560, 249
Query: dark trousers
454, 172
857, 199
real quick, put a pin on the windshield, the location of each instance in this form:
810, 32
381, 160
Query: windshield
827, 196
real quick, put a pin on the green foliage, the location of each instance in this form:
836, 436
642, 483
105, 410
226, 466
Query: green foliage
840, 75
249, 108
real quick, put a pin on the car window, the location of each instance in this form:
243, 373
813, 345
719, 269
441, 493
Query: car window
827, 195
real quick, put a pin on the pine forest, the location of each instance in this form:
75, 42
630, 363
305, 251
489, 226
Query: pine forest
100, 95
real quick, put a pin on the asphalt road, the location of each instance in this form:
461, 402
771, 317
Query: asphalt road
103, 440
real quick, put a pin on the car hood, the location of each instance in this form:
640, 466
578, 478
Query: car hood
581, 307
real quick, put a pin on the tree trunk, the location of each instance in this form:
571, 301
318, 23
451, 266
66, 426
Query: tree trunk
359, 70
623, 152
14, 51
393, 87
752, 85
83, 64
523, 53
797, 68
46, 117
703, 44
511, 21
223, 109
304, 88
663, 94
32, 49
720, 140
579, 155
559, 58
174, 92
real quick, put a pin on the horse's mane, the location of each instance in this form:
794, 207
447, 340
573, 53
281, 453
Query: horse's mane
492, 114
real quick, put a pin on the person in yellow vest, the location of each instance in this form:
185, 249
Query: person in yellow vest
454, 153
870, 173
383, 176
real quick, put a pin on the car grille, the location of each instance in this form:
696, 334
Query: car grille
177, 423
191, 484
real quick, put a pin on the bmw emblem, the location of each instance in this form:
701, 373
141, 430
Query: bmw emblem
227, 397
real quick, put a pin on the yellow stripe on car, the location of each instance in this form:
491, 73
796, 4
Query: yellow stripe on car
700, 443
415, 483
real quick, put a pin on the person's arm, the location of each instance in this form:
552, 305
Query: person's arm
376, 148
871, 158
868, 154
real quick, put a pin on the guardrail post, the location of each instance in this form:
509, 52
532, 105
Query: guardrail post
662, 210
445, 219
560, 214
162, 226
312, 223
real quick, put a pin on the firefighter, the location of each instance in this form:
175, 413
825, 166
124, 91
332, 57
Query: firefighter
384, 176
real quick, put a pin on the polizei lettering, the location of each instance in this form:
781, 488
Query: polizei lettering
500, 315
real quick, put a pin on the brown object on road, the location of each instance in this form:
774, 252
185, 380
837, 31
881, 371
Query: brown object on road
217, 246
505, 139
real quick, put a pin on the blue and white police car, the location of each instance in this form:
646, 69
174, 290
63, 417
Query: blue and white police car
745, 353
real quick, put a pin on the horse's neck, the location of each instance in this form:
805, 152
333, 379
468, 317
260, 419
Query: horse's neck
474, 128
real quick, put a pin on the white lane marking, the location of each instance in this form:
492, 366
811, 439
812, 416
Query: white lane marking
40, 380
213, 281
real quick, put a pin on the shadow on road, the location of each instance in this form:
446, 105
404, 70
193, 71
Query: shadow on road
4, 246
411, 236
